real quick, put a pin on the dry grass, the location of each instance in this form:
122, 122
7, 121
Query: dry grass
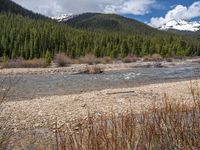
6, 132
93, 60
106, 60
62, 60
154, 57
88, 59
21, 63
172, 126
130, 59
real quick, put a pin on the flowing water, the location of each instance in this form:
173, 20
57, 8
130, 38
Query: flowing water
32, 86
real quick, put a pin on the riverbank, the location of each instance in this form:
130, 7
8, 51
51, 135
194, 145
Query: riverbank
45, 111
79, 68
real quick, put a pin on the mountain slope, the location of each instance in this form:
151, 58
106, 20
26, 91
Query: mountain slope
22, 36
197, 34
29, 38
8, 6
109, 22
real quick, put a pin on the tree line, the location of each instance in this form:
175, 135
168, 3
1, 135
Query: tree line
32, 38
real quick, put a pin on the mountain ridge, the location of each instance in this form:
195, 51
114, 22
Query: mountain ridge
106, 22
27, 37
9, 6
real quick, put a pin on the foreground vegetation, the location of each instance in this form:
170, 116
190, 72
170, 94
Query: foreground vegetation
169, 125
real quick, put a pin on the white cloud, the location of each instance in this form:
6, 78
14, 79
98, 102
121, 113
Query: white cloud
136, 7
178, 12
57, 7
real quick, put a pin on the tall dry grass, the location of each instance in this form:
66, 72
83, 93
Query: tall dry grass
6, 132
174, 126
130, 59
154, 57
93, 60
21, 63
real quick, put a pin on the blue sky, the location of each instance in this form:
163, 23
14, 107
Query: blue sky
165, 6
153, 12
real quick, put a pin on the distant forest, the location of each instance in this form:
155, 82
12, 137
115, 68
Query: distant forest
32, 37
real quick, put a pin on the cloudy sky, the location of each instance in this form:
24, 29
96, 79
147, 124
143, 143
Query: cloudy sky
153, 12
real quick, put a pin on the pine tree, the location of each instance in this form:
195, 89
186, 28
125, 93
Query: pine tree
124, 49
4, 57
48, 58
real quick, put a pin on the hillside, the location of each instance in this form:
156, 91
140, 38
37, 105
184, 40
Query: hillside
109, 22
8, 6
197, 34
21, 35
191, 34
24, 37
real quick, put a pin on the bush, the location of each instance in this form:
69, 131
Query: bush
106, 60
88, 59
62, 60
157, 57
129, 59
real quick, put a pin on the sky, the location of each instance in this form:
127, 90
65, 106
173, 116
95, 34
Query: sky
153, 12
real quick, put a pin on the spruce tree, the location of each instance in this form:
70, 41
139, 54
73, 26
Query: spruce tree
48, 58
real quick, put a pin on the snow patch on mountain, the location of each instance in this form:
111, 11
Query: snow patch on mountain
181, 25
65, 17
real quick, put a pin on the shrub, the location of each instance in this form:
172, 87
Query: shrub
106, 60
157, 57
62, 60
129, 59
88, 59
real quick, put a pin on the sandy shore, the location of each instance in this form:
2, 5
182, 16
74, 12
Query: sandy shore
43, 112
77, 68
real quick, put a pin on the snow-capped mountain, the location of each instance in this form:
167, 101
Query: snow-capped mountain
65, 17
181, 25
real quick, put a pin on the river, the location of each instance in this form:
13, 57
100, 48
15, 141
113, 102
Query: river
32, 86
